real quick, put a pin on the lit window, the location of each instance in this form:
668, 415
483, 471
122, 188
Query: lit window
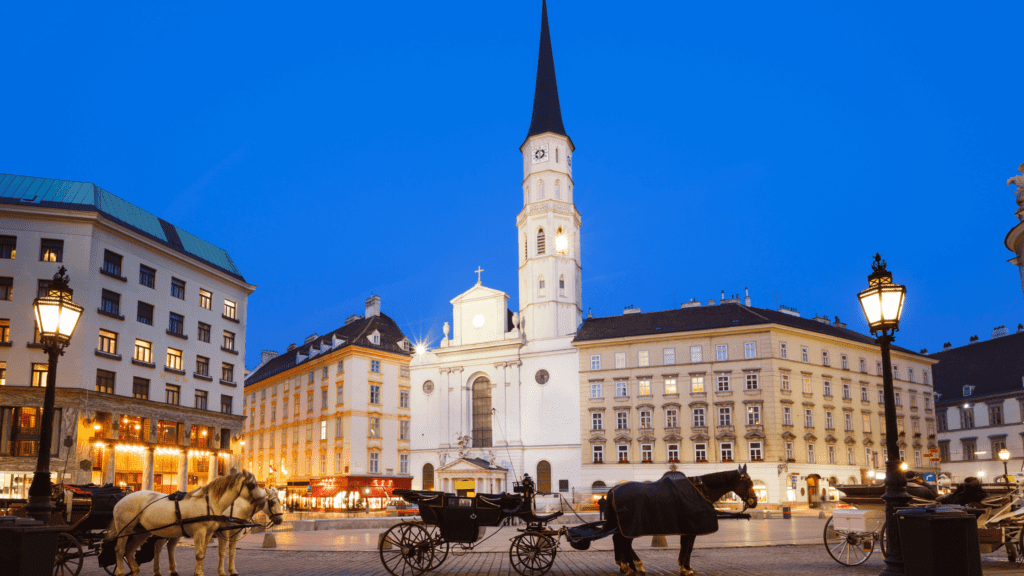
8, 247
105, 381
696, 383
230, 310
51, 250
323, 430
174, 359
670, 386
807, 384
107, 342
205, 299
644, 387
375, 427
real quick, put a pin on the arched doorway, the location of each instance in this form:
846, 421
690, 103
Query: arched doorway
813, 493
428, 476
482, 413
543, 476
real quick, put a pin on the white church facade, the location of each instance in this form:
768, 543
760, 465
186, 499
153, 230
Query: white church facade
499, 396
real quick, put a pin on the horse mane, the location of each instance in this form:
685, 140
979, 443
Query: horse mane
718, 478
218, 487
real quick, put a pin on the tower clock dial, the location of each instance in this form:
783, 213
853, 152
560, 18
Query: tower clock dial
540, 153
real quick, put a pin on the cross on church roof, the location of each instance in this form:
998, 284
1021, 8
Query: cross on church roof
478, 271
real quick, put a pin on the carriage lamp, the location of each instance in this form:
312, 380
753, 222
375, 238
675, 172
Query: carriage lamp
1004, 455
57, 316
882, 303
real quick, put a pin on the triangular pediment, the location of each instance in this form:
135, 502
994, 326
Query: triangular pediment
465, 465
478, 292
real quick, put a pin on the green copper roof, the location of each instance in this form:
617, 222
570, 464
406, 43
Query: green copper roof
71, 195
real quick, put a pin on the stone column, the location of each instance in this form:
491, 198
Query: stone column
109, 461
213, 467
183, 471
147, 477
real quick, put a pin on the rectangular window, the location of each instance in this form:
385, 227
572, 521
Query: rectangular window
403, 398
967, 418
850, 458
696, 354
646, 453
808, 418
878, 367
644, 387
51, 250
229, 340
597, 421
596, 390
323, 430
230, 310
751, 381
756, 453
910, 374
753, 414
375, 366
750, 350
804, 356
205, 299
143, 351
831, 453
177, 288
845, 361
5, 330
848, 422
669, 355
598, 453
595, 362
201, 399
725, 450
107, 342
323, 373
863, 366
174, 359
670, 386
42, 288
826, 388
807, 384
722, 383
403, 463
673, 452
700, 452
899, 399
867, 422
105, 381
112, 263
202, 366
864, 394
374, 394
824, 358
8, 247
645, 419
924, 377
643, 358
696, 383
620, 389
147, 276
917, 458
374, 462
140, 388
995, 417
339, 431
721, 352
895, 372
173, 394
969, 449
881, 396
671, 418
620, 359
622, 420
375, 427
810, 453
698, 418
785, 381
787, 416
6, 288
725, 416
623, 453
913, 400
789, 452
828, 420
846, 391
110, 302
145, 313
783, 351
341, 394
176, 323
204, 332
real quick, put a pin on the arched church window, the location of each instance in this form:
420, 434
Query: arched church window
541, 246
526, 253
556, 162
561, 285
540, 285
540, 190
561, 242
543, 476
428, 477
558, 190
482, 412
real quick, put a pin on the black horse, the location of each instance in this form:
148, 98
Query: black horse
673, 505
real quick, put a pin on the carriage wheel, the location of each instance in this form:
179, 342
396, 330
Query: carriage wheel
69, 558
883, 544
532, 554
406, 550
848, 548
440, 546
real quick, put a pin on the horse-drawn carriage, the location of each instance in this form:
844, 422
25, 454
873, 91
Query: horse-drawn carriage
674, 504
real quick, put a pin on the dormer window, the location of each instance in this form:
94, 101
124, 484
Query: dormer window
541, 244
968, 389
375, 337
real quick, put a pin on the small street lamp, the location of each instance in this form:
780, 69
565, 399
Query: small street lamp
1004, 455
56, 317
883, 304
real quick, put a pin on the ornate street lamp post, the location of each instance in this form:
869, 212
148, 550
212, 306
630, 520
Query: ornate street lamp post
883, 304
1004, 455
56, 317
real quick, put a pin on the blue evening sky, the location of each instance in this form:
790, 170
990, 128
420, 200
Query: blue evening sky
348, 148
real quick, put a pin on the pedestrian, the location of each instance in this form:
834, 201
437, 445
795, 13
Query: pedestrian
602, 505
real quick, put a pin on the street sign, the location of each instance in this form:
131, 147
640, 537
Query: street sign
309, 490
936, 459
929, 477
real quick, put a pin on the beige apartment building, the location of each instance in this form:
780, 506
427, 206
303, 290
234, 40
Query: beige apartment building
702, 389
328, 421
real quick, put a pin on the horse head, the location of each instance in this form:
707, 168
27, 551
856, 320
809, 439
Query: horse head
250, 490
744, 488
273, 508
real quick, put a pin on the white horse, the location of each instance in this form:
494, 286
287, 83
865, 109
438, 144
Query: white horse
146, 512
227, 540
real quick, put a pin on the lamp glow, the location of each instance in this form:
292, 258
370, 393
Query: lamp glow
903, 466
1004, 454
56, 314
981, 473
882, 301
561, 243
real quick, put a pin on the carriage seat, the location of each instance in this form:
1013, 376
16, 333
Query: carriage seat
531, 518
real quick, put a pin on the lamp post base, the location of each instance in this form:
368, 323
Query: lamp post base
39, 505
895, 497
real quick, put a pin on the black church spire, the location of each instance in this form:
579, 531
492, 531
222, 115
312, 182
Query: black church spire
547, 114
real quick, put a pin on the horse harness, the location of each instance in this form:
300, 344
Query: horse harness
180, 522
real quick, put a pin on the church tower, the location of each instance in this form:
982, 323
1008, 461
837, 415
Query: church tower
550, 297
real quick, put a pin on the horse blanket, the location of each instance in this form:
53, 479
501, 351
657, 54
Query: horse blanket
671, 505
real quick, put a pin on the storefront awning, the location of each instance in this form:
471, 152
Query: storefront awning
325, 491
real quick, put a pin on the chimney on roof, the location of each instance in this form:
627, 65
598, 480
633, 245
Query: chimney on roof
373, 306
839, 324
1020, 328
924, 351
590, 313
310, 338
822, 319
292, 347
974, 339
999, 331
691, 304
789, 310
947, 346
267, 356
352, 319
631, 310
711, 302
746, 297
723, 295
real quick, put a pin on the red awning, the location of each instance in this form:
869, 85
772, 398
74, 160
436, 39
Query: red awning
325, 491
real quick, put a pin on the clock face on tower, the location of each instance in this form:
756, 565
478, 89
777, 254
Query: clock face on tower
540, 153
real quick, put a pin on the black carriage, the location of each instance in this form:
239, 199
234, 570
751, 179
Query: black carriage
449, 520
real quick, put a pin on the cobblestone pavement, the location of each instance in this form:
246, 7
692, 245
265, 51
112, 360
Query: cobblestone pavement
761, 561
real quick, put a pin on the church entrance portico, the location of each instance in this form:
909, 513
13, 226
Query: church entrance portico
469, 476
